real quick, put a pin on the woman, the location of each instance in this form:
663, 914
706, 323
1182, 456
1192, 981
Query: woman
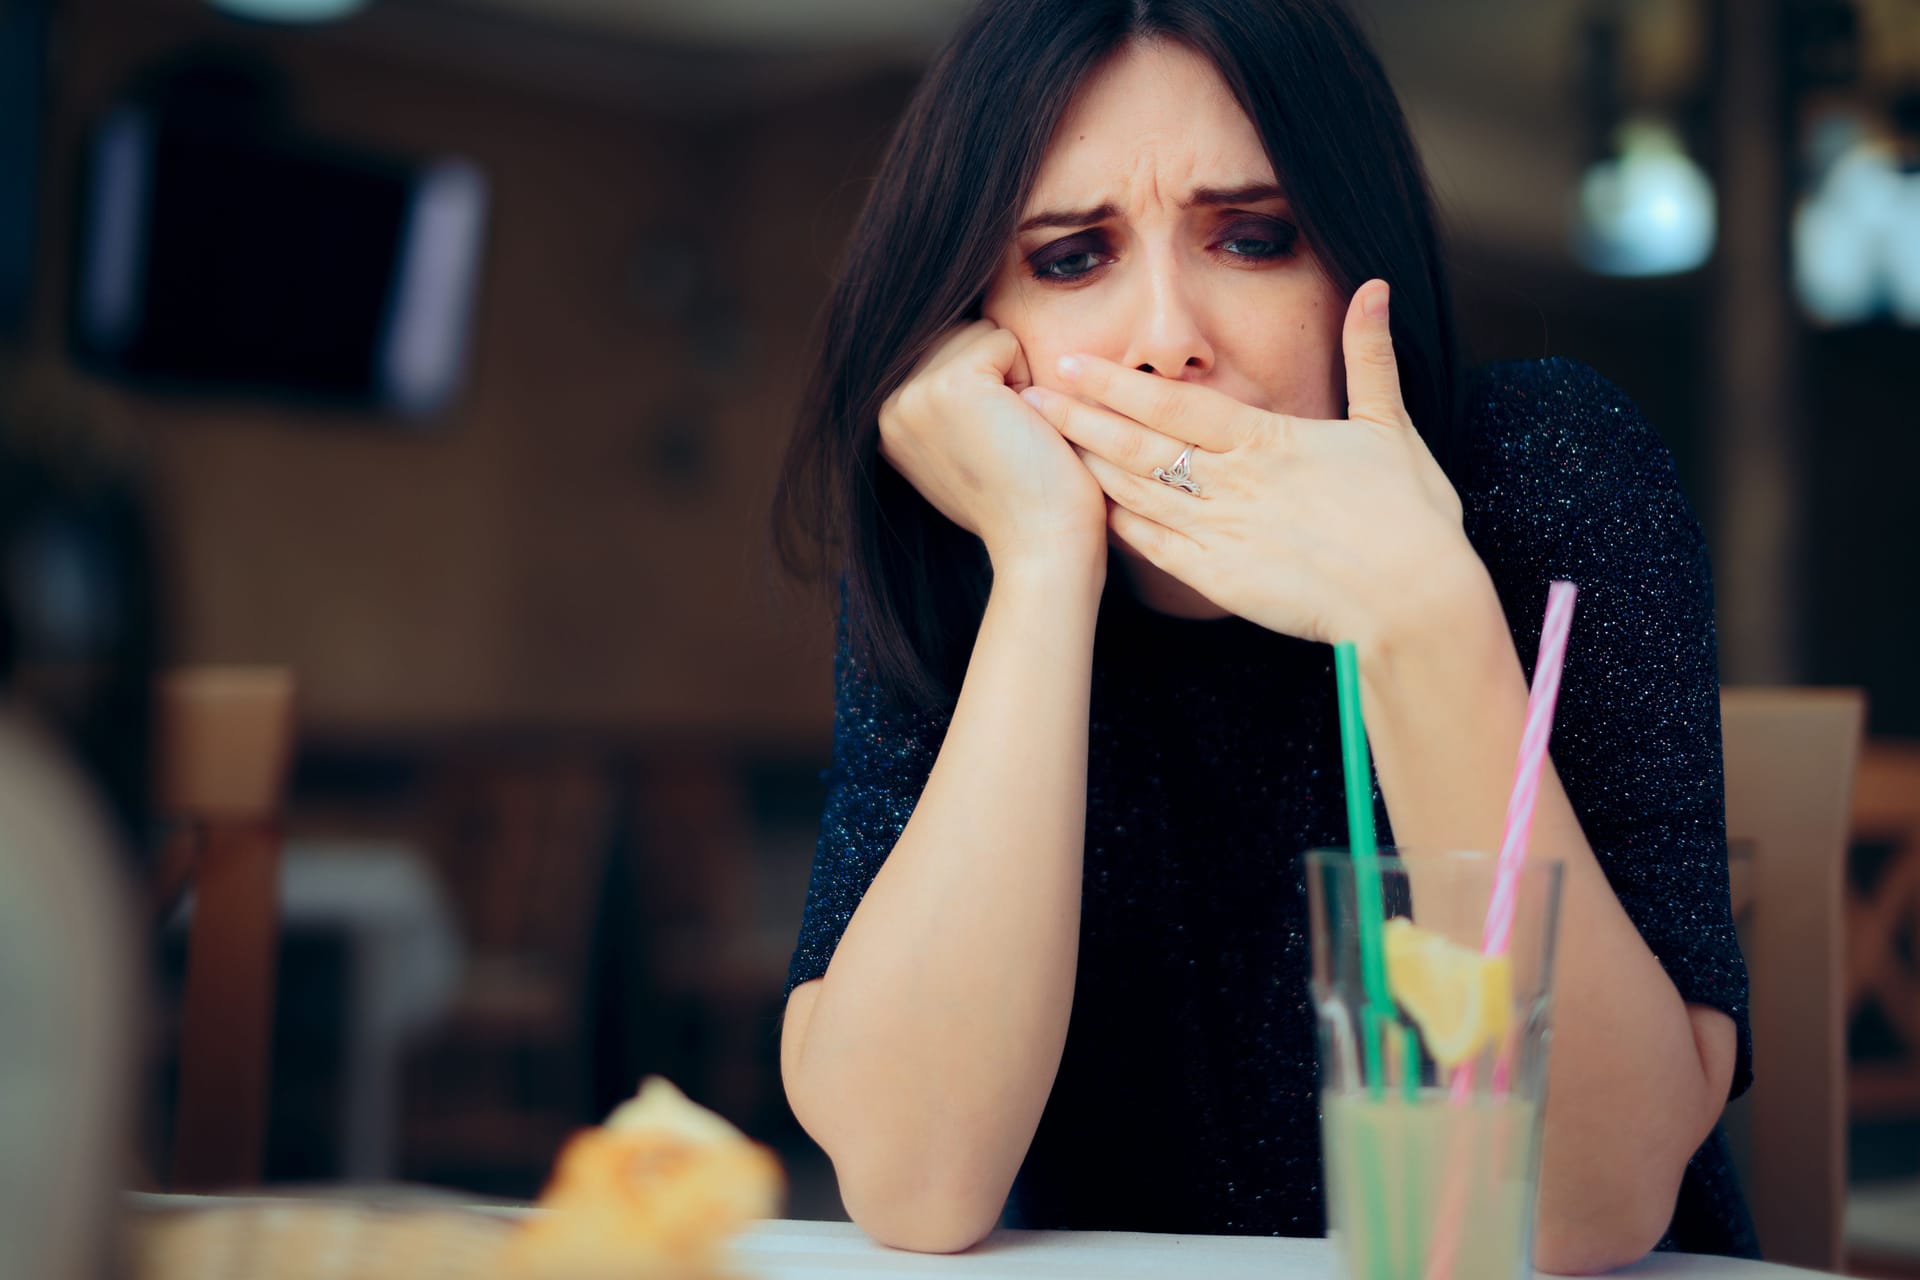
1160, 278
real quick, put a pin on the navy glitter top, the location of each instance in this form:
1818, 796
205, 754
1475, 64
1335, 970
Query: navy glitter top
1186, 1099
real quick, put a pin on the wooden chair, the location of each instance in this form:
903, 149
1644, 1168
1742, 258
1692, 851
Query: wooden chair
693, 826
1886, 811
1883, 1228
520, 837
1790, 756
225, 746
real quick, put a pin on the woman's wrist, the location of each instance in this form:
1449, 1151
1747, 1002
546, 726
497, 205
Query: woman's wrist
1445, 701
1447, 627
1061, 573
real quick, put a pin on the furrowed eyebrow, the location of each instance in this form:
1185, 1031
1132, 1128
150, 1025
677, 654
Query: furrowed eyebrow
1251, 193
1069, 217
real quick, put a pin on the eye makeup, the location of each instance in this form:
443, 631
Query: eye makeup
1260, 238
1070, 257
1239, 238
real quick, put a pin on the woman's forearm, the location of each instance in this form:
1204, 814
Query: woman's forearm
1636, 1078
922, 1060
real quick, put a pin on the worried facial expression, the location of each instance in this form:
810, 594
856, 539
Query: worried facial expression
1158, 236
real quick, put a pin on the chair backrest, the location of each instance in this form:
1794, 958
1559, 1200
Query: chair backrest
1790, 756
225, 746
1883, 917
520, 835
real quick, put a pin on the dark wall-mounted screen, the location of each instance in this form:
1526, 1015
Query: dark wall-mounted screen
258, 262
23, 45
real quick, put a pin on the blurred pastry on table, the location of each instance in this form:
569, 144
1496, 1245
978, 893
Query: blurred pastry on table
656, 1193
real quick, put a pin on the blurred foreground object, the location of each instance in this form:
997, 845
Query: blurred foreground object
226, 741
79, 606
317, 1240
65, 1015
656, 1193
1790, 758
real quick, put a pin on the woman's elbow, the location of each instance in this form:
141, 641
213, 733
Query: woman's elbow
889, 1192
1596, 1252
1602, 1242
919, 1215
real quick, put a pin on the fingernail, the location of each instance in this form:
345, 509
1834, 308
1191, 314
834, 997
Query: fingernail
1069, 366
1035, 397
1376, 303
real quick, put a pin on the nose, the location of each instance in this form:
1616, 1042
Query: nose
1168, 336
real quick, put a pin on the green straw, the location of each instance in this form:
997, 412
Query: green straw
1370, 905
1364, 846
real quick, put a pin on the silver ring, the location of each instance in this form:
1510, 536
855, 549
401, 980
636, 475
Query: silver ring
1180, 474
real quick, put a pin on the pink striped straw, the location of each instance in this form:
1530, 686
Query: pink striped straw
1533, 756
1498, 931
1541, 700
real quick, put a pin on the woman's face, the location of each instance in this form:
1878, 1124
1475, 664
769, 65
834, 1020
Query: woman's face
1156, 236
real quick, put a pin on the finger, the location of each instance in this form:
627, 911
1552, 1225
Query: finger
1018, 376
1373, 375
994, 356
1179, 410
1161, 503
1121, 441
1166, 549
952, 343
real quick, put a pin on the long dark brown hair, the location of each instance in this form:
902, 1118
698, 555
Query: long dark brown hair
943, 210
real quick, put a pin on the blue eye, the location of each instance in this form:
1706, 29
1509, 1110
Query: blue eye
1068, 267
1070, 258
1263, 239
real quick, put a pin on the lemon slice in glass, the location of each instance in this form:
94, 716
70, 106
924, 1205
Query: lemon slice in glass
1461, 1000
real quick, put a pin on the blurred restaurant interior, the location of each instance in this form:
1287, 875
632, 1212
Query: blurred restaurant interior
426, 366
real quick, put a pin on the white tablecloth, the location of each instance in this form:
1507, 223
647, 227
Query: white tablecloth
819, 1250
785, 1250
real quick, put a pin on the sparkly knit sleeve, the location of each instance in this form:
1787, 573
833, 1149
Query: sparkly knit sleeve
882, 754
1568, 480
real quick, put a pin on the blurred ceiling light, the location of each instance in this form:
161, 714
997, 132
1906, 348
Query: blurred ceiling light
1647, 210
290, 10
1856, 240
1840, 234
1903, 254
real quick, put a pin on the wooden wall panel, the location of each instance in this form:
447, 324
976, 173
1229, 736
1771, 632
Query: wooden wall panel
528, 560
